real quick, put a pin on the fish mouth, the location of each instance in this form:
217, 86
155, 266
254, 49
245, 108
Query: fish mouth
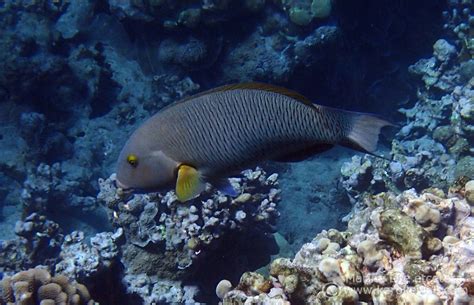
122, 186
128, 190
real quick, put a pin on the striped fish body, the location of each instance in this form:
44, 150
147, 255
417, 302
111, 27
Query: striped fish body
227, 130
215, 133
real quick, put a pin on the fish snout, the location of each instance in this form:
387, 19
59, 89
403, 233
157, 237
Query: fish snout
122, 186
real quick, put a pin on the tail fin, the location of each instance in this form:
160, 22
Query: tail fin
364, 133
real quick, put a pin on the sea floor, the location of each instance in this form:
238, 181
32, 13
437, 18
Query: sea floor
311, 198
8, 217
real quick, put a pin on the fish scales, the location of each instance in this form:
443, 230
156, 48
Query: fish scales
235, 127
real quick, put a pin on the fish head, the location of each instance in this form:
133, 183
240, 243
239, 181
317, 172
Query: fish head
141, 167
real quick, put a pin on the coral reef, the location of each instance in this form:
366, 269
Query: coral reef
46, 186
414, 246
37, 286
458, 20
158, 227
304, 12
77, 76
169, 239
62, 102
434, 147
153, 289
84, 262
188, 14
277, 57
38, 241
275, 52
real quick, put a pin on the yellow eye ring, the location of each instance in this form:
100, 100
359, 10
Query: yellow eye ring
132, 160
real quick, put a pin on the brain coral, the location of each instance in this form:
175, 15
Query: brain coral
37, 286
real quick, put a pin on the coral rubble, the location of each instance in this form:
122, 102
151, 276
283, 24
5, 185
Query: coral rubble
167, 238
434, 147
82, 261
38, 241
398, 249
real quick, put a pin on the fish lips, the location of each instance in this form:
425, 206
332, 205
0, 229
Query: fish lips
124, 187
127, 190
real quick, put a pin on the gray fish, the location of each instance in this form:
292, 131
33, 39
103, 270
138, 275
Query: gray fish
209, 136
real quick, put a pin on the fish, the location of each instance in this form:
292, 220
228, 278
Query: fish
207, 137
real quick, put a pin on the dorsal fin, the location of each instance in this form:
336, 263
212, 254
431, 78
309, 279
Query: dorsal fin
252, 86
265, 87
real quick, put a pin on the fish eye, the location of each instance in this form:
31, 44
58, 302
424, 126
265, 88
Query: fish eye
132, 160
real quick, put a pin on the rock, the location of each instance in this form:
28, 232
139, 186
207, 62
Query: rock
300, 16
443, 51
398, 228
372, 257
465, 167
321, 8
75, 19
222, 288
469, 192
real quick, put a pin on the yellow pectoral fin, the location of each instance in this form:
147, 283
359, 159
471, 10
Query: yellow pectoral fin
189, 184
